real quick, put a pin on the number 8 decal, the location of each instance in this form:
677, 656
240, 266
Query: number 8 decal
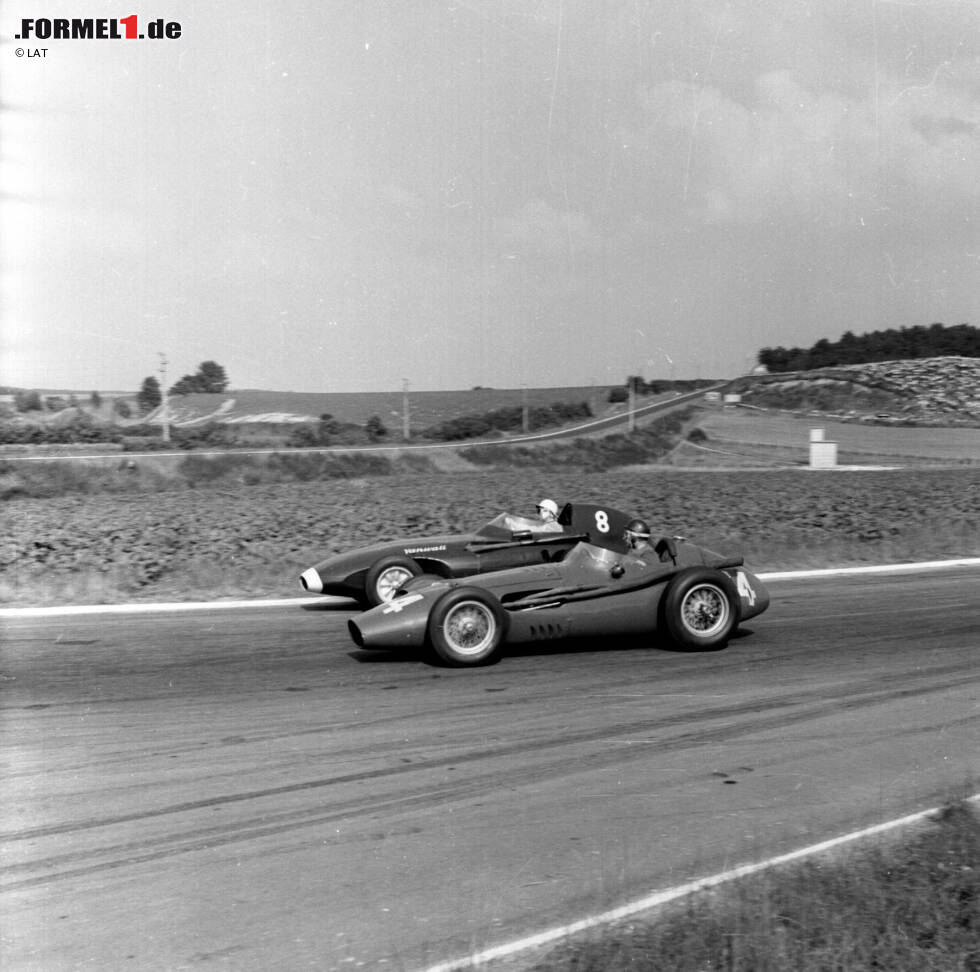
602, 521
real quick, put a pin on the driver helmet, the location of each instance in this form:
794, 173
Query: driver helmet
636, 532
548, 510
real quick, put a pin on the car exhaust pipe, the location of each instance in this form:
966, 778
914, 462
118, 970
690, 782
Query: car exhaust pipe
355, 633
310, 580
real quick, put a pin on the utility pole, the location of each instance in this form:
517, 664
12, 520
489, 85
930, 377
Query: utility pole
405, 432
632, 403
524, 416
164, 404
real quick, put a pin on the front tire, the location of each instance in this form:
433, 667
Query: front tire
700, 609
467, 626
386, 576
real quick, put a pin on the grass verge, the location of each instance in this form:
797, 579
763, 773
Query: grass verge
898, 906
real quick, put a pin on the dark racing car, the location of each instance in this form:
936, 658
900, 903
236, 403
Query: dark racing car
684, 592
373, 574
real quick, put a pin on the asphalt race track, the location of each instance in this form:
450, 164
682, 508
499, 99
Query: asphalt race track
243, 789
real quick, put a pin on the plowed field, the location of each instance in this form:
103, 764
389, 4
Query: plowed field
256, 540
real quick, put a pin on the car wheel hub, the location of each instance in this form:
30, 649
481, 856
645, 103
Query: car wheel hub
705, 609
390, 581
469, 628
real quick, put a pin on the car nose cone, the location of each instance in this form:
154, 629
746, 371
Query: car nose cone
311, 581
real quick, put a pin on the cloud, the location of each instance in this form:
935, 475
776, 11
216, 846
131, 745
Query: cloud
790, 151
539, 228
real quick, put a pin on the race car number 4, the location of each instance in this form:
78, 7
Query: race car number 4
393, 607
744, 587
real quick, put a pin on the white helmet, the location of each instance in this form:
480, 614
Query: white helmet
548, 509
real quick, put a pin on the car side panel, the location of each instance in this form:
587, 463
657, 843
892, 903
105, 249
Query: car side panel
520, 556
344, 573
614, 615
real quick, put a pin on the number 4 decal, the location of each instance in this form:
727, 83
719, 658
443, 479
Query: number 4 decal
394, 606
744, 587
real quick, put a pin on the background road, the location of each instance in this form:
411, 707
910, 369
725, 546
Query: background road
246, 790
644, 409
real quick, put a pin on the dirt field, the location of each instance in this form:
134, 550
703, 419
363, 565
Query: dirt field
255, 541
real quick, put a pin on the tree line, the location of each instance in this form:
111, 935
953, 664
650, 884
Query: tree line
921, 341
209, 378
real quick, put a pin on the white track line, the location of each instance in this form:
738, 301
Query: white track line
659, 898
324, 600
168, 607
873, 569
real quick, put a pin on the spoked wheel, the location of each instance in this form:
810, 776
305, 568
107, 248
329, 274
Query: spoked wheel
384, 578
701, 608
466, 627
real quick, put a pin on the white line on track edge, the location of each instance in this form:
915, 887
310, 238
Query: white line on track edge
168, 607
659, 898
323, 600
871, 569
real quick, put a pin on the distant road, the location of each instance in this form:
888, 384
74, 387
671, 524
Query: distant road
610, 421
596, 425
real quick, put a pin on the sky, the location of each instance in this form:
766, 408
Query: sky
352, 195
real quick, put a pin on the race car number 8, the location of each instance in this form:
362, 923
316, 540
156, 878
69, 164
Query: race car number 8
602, 521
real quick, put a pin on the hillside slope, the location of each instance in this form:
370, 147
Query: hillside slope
426, 408
928, 391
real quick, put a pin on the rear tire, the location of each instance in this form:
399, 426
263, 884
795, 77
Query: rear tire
467, 626
386, 576
700, 609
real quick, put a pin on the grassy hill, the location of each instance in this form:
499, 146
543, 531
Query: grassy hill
927, 391
251, 406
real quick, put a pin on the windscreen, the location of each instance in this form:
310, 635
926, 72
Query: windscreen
505, 524
589, 555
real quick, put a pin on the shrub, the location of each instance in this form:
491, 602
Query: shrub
28, 401
302, 437
81, 428
375, 428
508, 419
328, 431
210, 436
209, 469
